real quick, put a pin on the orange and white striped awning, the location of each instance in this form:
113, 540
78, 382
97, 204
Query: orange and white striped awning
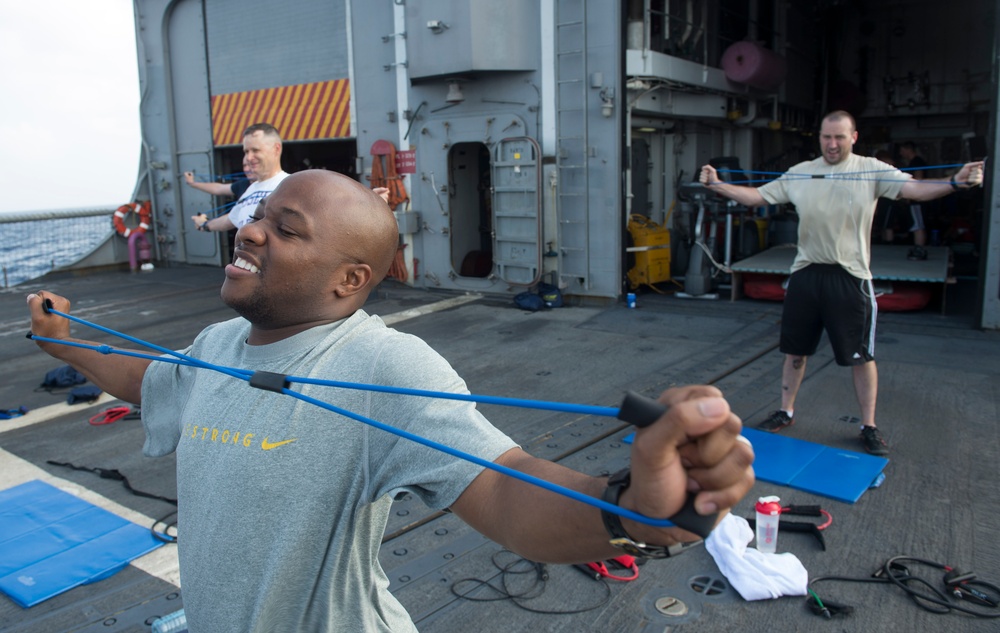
301, 112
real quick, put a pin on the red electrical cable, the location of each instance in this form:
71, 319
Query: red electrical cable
625, 562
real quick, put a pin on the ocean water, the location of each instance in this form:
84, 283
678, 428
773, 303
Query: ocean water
28, 250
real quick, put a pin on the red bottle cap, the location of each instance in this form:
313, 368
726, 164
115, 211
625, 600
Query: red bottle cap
769, 505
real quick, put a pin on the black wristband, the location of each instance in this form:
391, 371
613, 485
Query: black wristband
954, 185
617, 483
204, 226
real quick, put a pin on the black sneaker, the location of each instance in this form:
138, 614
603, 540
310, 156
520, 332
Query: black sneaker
872, 439
917, 253
776, 421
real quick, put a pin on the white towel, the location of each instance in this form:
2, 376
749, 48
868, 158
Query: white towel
755, 575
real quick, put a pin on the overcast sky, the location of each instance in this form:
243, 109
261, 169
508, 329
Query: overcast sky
69, 112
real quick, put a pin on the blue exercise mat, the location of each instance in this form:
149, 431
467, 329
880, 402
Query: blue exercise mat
777, 460
830, 472
51, 541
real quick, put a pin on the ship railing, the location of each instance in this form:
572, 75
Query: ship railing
33, 243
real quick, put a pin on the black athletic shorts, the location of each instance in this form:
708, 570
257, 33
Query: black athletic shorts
826, 297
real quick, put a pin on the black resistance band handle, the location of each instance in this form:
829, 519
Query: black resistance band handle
642, 411
47, 308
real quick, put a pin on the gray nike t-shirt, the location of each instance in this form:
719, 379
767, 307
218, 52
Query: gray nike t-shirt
283, 504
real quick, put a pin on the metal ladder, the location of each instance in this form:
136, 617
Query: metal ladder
572, 143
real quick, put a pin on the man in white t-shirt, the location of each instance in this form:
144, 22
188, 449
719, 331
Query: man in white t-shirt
262, 165
830, 287
262, 157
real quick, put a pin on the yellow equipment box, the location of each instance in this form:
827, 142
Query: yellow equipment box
651, 249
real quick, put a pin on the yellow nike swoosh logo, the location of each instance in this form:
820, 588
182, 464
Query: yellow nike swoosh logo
266, 445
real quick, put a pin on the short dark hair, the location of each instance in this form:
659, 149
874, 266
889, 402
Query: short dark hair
837, 115
266, 128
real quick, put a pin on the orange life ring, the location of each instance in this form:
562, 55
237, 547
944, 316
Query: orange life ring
140, 209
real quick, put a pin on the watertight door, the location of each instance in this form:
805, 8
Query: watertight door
517, 218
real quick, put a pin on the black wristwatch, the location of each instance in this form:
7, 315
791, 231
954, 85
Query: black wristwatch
954, 185
617, 483
204, 226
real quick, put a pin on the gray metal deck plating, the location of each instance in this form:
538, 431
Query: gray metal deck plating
938, 407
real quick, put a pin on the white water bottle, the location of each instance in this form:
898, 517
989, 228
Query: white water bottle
768, 514
176, 622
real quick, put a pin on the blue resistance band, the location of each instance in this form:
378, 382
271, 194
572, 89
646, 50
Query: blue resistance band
636, 409
856, 175
233, 176
216, 212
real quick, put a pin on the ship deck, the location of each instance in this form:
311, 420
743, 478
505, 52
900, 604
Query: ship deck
939, 403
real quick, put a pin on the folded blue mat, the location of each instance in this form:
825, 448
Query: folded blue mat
51, 541
830, 472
